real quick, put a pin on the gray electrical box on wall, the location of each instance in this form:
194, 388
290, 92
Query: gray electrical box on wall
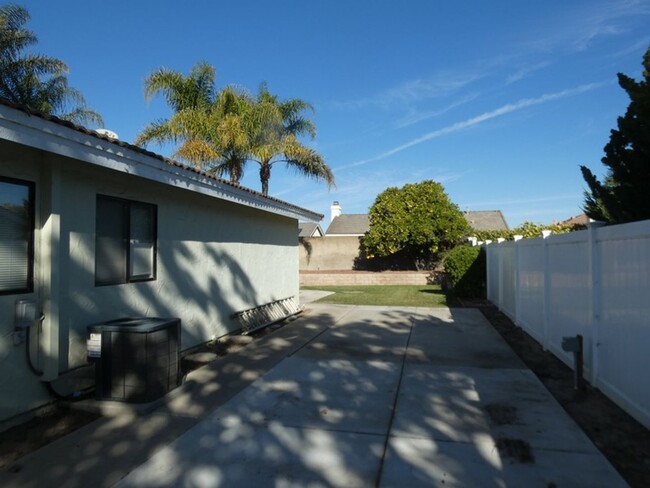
24, 318
136, 359
25, 314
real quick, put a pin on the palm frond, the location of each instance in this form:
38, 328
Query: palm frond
157, 131
308, 162
197, 152
34, 80
41, 65
181, 92
300, 126
83, 116
13, 36
230, 164
231, 134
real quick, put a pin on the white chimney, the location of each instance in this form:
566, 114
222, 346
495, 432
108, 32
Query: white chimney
335, 210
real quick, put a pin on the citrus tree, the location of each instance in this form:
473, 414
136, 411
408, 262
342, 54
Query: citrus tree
418, 221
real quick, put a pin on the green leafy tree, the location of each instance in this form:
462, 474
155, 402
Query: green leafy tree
622, 196
275, 131
417, 220
34, 80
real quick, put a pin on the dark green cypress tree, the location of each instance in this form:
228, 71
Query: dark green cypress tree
624, 193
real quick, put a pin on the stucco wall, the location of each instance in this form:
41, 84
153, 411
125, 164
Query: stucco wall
213, 258
19, 388
328, 253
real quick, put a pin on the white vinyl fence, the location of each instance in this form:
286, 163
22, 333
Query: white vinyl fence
594, 282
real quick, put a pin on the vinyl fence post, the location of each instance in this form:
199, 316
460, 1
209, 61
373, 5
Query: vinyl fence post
546, 319
595, 282
488, 270
517, 281
500, 265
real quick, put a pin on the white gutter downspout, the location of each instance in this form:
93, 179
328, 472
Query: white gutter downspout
50, 263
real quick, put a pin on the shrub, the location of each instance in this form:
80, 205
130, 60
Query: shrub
465, 270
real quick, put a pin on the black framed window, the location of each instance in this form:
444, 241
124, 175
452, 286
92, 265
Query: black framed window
16, 236
125, 241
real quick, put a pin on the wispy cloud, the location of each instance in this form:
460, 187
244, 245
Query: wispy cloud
416, 90
526, 71
636, 48
415, 116
479, 119
577, 31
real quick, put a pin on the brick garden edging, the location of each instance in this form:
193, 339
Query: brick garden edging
351, 278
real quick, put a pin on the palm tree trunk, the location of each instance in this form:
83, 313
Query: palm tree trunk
235, 175
265, 175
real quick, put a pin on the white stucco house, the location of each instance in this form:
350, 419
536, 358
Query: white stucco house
94, 229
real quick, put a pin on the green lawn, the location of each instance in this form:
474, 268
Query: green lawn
394, 295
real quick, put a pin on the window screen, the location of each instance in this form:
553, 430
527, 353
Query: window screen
16, 236
142, 244
125, 241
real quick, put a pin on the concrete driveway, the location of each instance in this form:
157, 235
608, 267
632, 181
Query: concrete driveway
343, 396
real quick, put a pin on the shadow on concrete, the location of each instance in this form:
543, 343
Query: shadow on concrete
343, 396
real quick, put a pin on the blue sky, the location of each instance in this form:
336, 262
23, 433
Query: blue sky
500, 101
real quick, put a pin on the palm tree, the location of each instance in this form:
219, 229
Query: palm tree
181, 93
215, 139
33, 80
274, 136
219, 132
233, 107
207, 125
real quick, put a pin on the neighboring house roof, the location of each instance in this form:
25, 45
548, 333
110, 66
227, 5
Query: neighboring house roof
486, 220
359, 224
349, 225
309, 229
581, 219
22, 125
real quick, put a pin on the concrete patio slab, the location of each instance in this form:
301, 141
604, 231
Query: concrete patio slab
367, 333
224, 454
342, 396
430, 463
337, 394
97, 455
463, 404
460, 337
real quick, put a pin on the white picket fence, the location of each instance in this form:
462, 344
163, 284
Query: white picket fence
594, 282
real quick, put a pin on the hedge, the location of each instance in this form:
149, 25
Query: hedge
466, 271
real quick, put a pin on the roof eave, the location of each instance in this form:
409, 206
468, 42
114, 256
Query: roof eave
80, 144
